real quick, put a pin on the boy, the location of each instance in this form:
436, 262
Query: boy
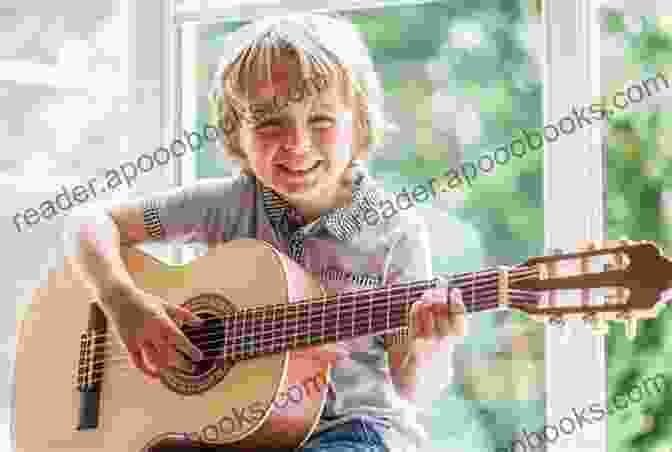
298, 105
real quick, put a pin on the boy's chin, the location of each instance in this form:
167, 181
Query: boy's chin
303, 189
297, 185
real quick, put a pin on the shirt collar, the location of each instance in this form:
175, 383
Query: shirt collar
344, 223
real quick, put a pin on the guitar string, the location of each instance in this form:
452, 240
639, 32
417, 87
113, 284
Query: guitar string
289, 311
127, 365
121, 367
301, 321
297, 321
106, 358
320, 300
295, 306
529, 298
286, 308
119, 370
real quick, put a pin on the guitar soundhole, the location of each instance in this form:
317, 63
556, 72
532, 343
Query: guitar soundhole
192, 377
209, 338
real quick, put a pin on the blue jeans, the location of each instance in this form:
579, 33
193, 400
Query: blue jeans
353, 436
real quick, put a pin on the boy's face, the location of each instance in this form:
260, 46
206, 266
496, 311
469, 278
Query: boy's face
303, 149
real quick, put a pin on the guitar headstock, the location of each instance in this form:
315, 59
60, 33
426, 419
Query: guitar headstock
634, 276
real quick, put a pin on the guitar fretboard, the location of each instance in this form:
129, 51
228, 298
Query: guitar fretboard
276, 328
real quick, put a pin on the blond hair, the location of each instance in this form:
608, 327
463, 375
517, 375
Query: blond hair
323, 48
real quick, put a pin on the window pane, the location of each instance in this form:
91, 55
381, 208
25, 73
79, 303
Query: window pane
461, 81
636, 62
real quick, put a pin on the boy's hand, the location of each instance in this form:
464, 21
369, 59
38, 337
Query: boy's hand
434, 319
146, 326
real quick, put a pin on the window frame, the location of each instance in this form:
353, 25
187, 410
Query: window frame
571, 37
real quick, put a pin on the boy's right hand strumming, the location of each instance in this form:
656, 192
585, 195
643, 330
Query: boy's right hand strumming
146, 324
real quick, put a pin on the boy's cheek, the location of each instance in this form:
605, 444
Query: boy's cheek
341, 136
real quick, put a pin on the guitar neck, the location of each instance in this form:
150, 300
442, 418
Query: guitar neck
274, 329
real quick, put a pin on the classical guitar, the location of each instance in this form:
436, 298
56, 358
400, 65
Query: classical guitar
75, 392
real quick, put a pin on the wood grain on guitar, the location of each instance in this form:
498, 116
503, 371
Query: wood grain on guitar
75, 392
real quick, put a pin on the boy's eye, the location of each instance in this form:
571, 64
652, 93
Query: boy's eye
268, 124
321, 122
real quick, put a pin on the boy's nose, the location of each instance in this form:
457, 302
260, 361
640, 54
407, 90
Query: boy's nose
298, 140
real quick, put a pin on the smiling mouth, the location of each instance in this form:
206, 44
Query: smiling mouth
294, 172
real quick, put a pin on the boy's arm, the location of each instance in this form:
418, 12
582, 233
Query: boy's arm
94, 238
94, 242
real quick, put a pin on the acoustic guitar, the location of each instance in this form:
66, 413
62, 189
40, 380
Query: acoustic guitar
75, 391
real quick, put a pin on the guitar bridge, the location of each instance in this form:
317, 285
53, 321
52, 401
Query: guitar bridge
90, 371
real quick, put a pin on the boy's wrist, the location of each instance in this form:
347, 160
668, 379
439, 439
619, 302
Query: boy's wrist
112, 293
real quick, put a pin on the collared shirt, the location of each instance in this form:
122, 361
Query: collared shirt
342, 247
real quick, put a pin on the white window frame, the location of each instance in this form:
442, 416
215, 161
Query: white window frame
573, 211
575, 368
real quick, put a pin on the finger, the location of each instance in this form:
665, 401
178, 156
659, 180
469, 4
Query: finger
138, 362
177, 338
423, 319
184, 315
167, 350
455, 302
430, 330
415, 319
458, 311
444, 321
155, 355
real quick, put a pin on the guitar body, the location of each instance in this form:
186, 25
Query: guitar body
229, 402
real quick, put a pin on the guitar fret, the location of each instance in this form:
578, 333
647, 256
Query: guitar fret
389, 305
284, 328
408, 308
473, 289
227, 326
309, 325
245, 334
296, 326
338, 314
263, 330
370, 313
352, 313
253, 335
235, 334
324, 318
275, 330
